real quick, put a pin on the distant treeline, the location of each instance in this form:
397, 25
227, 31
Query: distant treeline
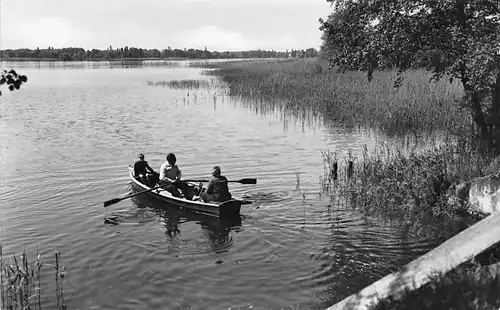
77, 53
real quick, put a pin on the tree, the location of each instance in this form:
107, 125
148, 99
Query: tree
311, 52
13, 79
460, 39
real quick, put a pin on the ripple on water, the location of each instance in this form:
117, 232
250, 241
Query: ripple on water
267, 197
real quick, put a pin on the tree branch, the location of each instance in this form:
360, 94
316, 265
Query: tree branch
491, 6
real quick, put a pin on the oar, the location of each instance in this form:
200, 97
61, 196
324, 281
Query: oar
115, 200
242, 181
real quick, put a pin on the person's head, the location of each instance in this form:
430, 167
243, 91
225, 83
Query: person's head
171, 158
216, 171
140, 156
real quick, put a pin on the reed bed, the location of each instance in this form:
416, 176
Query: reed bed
180, 84
21, 281
238, 62
390, 181
348, 98
410, 179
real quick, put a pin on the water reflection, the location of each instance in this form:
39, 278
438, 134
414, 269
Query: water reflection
115, 63
358, 255
105, 64
215, 230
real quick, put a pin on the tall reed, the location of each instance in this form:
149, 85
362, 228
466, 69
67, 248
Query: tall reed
348, 98
20, 282
417, 181
179, 84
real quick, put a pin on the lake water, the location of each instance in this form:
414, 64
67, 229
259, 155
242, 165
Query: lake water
67, 138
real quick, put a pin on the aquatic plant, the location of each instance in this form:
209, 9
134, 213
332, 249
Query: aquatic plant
348, 99
218, 64
20, 281
408, 178
392, 180
189, 84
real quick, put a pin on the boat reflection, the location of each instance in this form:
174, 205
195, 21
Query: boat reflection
216, 230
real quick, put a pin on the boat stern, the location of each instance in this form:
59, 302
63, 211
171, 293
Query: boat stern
229, 208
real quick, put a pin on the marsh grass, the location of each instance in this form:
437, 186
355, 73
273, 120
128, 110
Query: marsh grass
180, 84
20, 281
348, 98
391, 181
418, 177
222, 63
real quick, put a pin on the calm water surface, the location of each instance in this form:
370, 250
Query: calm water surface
67, 138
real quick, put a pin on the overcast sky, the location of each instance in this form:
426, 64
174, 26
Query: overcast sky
215, 24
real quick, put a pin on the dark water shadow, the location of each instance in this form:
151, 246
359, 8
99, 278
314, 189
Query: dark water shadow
267, 197
217, 230
356, 259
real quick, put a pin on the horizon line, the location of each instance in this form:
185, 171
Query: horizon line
159, 49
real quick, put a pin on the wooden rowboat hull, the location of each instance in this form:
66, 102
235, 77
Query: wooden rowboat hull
225, 209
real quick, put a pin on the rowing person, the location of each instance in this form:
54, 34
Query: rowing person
170, 178
143, 172
217, 188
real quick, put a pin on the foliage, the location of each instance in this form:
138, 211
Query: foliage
458, 39
12, 79
80, 54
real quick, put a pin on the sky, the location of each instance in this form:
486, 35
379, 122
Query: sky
218, 25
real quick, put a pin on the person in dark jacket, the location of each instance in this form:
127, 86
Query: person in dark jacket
143, 172
217, 189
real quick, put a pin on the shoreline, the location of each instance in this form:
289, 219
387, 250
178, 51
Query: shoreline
19, 59
33, 59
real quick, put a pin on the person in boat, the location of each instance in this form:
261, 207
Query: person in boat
170, 178
143, 172
217, 189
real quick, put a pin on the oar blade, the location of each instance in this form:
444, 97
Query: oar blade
112, 202
248, 181
242, 181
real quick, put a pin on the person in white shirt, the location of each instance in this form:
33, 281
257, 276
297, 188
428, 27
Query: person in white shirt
170, 178
169, 171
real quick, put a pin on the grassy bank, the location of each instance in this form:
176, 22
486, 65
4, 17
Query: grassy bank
417, 189
391, 182
349, 98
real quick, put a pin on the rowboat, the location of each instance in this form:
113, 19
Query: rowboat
223, 209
